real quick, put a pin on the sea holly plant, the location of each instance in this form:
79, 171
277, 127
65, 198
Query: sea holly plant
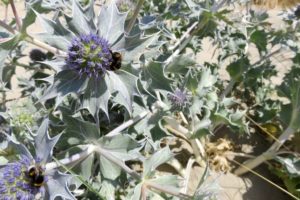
131, 111
18, 183
88, 67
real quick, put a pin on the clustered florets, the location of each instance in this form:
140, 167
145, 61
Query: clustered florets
15, 183
90, 55
179, 99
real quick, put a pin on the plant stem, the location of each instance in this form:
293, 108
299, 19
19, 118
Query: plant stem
45, 46
269, 154
36, 42
135, 14
7, 27
125, 125
186, 35
227, 89
73, 159
197, 147
282, 139
18, 21
5, 14
188, 174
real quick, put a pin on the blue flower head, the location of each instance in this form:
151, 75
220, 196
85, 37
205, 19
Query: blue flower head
90, 55
27, 178
16, 183
97, 50
179, 99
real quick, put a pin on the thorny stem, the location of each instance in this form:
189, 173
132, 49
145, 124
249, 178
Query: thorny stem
197, 146
137, 118
18, 21
186, 35
135, 14
73, 159
7, 27
125, 125
109, 156
188, 174
5, 13
33, 41
269, 154
45, 46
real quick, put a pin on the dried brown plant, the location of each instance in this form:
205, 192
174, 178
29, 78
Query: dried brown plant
275, 3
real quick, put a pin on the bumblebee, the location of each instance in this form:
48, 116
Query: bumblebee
116, 61
36, 176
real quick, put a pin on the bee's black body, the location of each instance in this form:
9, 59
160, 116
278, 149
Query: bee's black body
116, 61
36, 176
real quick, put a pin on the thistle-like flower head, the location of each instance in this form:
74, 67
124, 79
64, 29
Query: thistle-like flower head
90, 55
179, 98
27, 178
15, 182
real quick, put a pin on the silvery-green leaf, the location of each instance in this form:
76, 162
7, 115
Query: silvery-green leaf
96, 96
237, 68
107, 190
89, 11
43, 143
65, 82
136, 193
260, 39
135, 46
56, 64
155, 160
57, 186
14, 149
84, 167
111, 22
236, 119
78, 22
28, 20
167, 180
84, 130
55, 34
5, 48
119, 143
155, 76
195, 8
147, 22
206, 82
108, 169
180, 64
117, 146
292, 165
124, 84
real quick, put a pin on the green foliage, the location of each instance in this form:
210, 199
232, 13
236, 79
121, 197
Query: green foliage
115, 130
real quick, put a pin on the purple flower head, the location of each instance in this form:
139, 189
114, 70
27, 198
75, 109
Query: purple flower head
179, 98
15, 182
90, 55
29, 178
